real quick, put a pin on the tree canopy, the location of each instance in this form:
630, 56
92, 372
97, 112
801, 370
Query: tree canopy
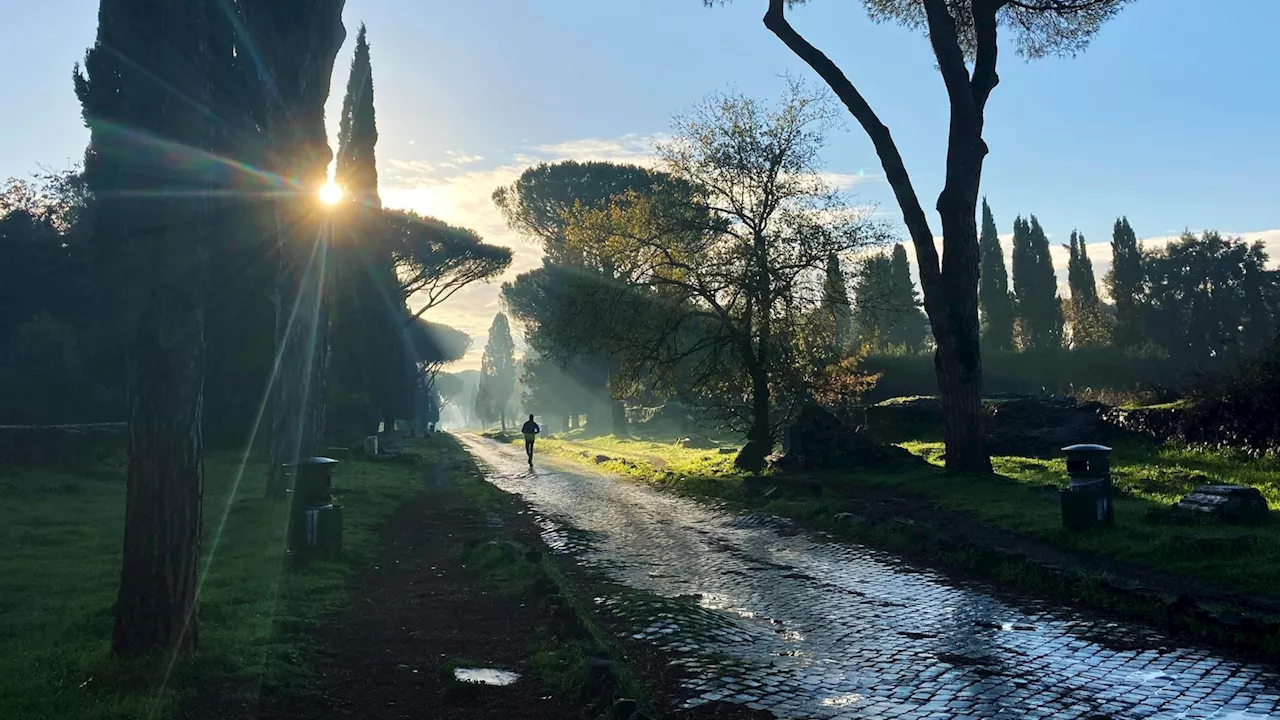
434, 259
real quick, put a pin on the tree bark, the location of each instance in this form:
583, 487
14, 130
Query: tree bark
157, 600
958, 359
156, 605
761, 431
760, 424
296, 46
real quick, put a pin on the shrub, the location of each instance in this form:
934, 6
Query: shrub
1087, 372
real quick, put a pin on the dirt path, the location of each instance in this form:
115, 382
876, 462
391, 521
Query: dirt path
764, 616
414, 613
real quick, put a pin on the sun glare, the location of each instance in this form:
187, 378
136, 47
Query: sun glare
330, 193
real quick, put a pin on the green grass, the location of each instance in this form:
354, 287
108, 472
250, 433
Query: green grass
1150, 477
60, 546
705, 472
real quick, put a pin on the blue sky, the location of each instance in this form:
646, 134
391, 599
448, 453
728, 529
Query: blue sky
1172, 116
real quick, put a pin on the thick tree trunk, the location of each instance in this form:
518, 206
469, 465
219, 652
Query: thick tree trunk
294, 57
156, 602
156, 605
298, 408
760, 436
760, 422
954, 312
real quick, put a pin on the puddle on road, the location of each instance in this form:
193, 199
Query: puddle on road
485, 676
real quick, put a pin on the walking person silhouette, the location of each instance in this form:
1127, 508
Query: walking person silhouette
530, 430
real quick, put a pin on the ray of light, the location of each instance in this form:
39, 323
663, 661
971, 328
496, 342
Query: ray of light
319, 252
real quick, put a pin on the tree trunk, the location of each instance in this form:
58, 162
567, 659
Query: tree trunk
502, 417
759, 437
156, 605
298, 408
760, 425
954, 313
294, 57
959, 369
156, 602
573, 421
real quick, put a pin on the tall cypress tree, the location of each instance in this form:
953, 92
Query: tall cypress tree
873, 300
909, 326
1125, 283
836, 308
1080, 279
993, 287
497, 370
1089, 324
152, 219
371, 371
1039, 309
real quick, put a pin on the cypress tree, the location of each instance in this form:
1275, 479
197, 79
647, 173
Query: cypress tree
370, 367
1080, 279
908, 324
835, 306
1125, 283
993, 287
357, 169
1039, 309
497, 370
152, 219
873, 300
1090, 326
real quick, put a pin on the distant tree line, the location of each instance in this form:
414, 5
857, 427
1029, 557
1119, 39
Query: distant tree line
1195, 300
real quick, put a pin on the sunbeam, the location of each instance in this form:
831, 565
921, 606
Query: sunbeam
318, 252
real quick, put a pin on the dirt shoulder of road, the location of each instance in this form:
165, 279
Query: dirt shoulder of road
892, 518
465, 580
462, 581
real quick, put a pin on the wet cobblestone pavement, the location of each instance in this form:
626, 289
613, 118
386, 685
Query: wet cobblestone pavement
811, 628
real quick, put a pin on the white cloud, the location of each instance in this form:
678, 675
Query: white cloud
458, 190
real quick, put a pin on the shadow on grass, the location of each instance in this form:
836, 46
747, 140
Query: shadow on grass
59, 572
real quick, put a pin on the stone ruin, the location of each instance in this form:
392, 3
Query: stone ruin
1231, 504
818, 440
1025, 425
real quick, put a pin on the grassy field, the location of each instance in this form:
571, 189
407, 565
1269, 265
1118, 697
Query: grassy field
60, 544
1020, 498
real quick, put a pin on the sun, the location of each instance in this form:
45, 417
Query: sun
330, 193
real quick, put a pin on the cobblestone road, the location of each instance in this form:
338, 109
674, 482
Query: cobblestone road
811, 628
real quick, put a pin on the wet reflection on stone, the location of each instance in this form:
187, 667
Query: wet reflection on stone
764, 616
485, 676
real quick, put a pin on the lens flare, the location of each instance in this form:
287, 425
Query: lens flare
330, 193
